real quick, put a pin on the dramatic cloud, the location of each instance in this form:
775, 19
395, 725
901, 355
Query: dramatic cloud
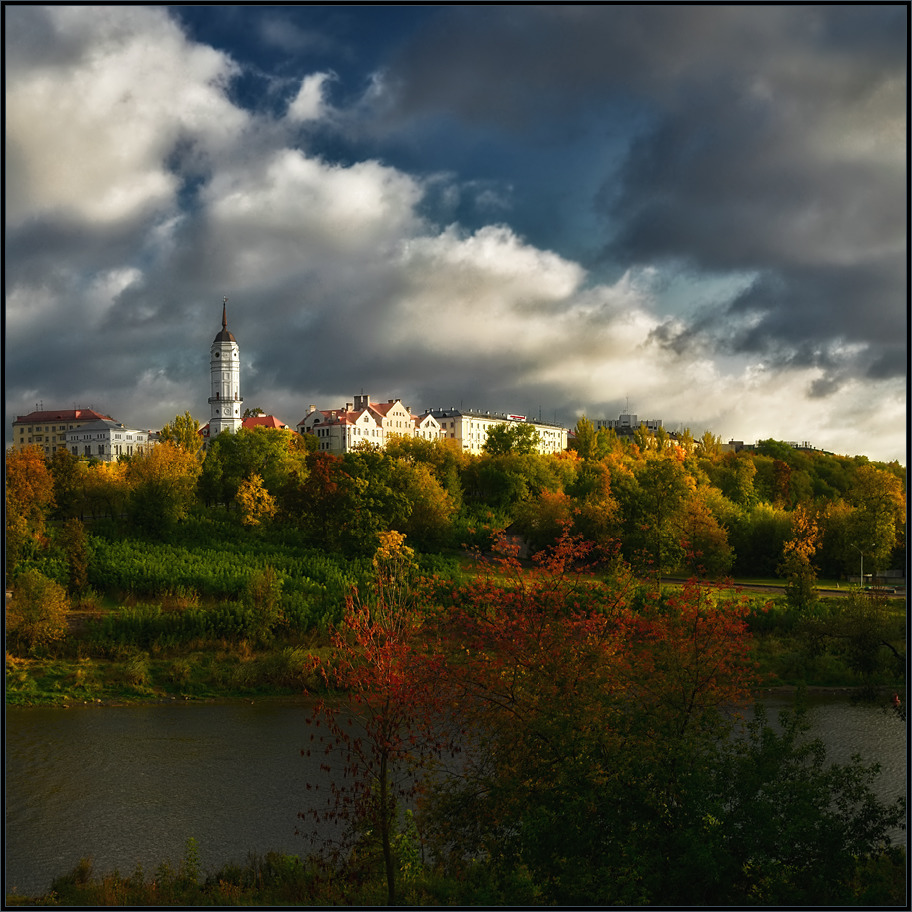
698, 208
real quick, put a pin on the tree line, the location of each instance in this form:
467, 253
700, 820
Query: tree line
668, 505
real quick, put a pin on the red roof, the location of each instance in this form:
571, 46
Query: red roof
63, 415
269, 421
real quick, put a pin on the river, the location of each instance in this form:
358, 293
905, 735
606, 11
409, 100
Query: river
129, 784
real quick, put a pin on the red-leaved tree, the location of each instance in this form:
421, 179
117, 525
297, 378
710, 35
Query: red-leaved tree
587, 716
391, 725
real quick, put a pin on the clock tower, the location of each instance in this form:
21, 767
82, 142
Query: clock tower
224, 381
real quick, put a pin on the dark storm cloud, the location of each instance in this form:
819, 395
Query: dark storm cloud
768, 140
417, 225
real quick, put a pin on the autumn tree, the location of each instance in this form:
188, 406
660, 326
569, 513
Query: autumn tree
796, 566
36, 613
430, 518
256, 504
105, 488
315, 505
587, 718
391, 687
162, 487
542, 520
183, 431
29, 499
596, 513
704, 539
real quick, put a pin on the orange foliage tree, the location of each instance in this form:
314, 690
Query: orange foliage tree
29, 495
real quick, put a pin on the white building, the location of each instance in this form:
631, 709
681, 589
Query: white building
47, 429
470, 429
108, 440
224, 381
363, 421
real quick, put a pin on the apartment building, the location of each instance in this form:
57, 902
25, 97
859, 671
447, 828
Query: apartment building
363, 421
470, 429
47, 429
108, 440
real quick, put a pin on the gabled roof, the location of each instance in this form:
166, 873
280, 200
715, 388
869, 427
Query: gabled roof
62, 415
342, 416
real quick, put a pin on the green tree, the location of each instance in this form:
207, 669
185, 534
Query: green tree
276, 456
74, 543
516, 437
709, 445
737, 478
162, 487
183, 431
655, 514
36, 613
263, 599
585, 441
758, 536
430, 517
65, 471
880, 505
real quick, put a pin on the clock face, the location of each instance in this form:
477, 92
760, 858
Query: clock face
227, 411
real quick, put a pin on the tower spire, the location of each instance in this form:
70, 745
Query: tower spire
225, 313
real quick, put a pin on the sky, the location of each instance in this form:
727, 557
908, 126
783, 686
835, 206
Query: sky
691, 213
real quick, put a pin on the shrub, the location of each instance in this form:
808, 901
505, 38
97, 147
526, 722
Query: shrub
36, 614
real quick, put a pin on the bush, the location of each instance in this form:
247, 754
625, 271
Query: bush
36, 614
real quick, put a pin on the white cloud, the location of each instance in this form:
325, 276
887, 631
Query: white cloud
483, 315
288, 213
91, 140
309, 104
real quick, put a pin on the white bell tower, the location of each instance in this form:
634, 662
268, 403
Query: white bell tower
224, 381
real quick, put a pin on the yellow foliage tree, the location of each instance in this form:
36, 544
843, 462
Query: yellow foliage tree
255, 502
29, 496
796, 566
